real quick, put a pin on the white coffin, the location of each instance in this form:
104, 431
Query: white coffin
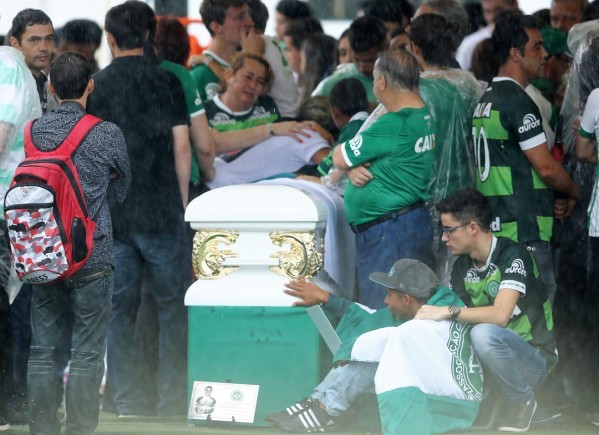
250, 240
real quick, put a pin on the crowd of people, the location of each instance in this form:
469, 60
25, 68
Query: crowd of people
461, 137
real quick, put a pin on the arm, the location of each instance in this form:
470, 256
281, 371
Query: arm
310, 294
338, 159
203, 145
182, 151
499, 313
586, 149
227, 141
555, 177
319, 155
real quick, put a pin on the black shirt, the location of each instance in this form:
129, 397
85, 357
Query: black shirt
146, 102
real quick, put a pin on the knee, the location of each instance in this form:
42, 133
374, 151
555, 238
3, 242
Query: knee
42, 359
84, 363
485, 338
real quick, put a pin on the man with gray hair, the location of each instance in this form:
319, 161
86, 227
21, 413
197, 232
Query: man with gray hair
386, 210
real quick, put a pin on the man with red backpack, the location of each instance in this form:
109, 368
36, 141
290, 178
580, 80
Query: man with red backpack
102, 167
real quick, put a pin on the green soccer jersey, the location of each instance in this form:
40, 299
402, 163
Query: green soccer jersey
195, 107
207, 82
400, 147
348, 131
506, 123
343, 71
221, 118
509, 266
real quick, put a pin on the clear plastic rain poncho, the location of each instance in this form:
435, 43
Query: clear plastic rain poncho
572, 231
19, 103
451, 96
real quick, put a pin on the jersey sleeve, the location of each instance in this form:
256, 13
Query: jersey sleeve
525, 121
369, 144
195, 106
589, 117
515, 265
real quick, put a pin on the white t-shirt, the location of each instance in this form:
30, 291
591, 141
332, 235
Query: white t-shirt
284, 90
272, 156
466, 49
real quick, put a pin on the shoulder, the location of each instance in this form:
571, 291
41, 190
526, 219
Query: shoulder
508, 252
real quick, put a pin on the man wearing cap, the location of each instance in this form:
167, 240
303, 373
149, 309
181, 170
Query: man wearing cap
377, 345
506, 301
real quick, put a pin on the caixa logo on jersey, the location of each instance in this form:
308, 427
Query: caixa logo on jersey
517, 267
529, 122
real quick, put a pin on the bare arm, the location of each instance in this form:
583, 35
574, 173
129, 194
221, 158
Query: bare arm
338, 159
182, 151
227, 141
551, 172
203, 145
586, 149
499, 313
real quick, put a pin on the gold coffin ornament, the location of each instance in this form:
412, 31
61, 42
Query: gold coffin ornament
303, 260
208, 258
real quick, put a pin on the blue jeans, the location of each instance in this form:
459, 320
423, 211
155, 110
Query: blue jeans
159, 257
380, 246
515, 366
343, 384
542, 254
86, 296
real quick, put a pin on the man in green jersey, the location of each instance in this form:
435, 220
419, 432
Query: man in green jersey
505, 299
515, 169
229, 23
388, 214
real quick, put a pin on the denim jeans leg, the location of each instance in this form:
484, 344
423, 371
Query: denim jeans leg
49, 305
380, 246
342, 385
123, 356
516, 366
90, 302
167, 271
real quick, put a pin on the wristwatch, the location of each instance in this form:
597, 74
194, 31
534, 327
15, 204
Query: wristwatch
454, 312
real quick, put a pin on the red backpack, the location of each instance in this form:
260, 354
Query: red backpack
50, 231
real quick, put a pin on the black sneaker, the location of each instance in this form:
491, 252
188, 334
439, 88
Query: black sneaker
488, 412
518, 416
305, 416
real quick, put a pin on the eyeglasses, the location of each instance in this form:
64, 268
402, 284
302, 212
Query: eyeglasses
449, 230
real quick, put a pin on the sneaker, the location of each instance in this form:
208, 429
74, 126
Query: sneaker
305, 416
594, 418
546, 415
487, 414
518, 416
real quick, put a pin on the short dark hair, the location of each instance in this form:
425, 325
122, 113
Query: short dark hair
82, 32
367, 33
127, 23
26, 18
172, 40
433, 35
385, 10
259, 14
467, 205
294, 9
510, 32
216, 10
69, 75
349, 96
299, 30
400, 68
